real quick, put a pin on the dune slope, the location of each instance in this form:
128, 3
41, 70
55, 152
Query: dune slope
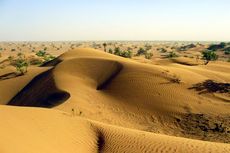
124, 105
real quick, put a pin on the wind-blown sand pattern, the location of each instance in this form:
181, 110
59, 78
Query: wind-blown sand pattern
98, 102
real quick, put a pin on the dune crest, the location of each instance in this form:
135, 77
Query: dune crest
120, 105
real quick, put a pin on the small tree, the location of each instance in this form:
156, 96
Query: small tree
110, 51
141, 51
104, 45
48, 58
126, 54
148, 55
117, 51
21, 64
209, 56
41, 53
172, 55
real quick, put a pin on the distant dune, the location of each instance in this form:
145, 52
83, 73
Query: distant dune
99, 102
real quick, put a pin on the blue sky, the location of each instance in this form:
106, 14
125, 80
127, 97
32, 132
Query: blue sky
45, 20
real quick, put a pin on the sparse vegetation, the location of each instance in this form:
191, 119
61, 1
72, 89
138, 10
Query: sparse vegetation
126, 54
141, 51
117, 51
148, 55
148, 47
209, 56
110, 51
186, 47
47, 57
104, 45
171, 55
41, 53
21, 64
162, 50
227, 51
215, 47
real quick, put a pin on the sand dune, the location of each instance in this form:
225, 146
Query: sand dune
54, 132
105, 103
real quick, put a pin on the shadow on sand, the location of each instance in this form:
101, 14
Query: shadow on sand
210, 86
9, 76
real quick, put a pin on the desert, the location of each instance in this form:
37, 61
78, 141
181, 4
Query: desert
86, 99
114, 76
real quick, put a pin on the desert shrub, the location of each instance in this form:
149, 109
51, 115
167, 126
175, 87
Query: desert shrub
10, 58
21, 64
41, 53
12, 50
148, 55
148, 47
48, 58
215, 47
171, 55
35, 62
186, 47
104, 45
110, 51
223, 44
117, 51
141, 51
1, 49
162, 50
45, 48
209, 56
126, 54
228, 60
227, 51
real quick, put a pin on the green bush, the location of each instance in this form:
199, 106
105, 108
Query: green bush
20, 63
172, 55
141, 51
48, 58
148, 47
162, 50
41, 53
227, 51
110, 51
215, 47
104, 45
184, 48
117, 51
35, 61
126, 54
148, 55
209, 56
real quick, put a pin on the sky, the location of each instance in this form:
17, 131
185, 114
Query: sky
86, 20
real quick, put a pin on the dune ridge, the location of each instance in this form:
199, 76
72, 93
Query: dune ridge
123, 105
